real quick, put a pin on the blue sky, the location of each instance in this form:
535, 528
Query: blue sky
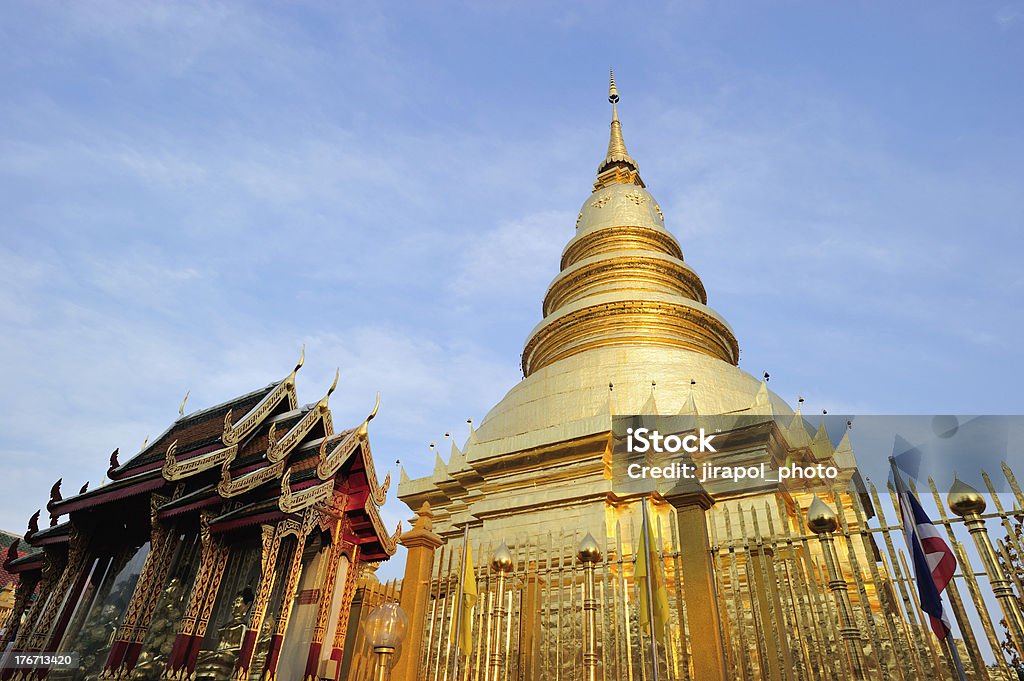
192, 192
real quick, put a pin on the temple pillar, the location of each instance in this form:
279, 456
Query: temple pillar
697, 571
288, 597
422, 543
344, 612
68, 583
26, 585
124, 652
50, 574
324, 601
269, 547
213, 559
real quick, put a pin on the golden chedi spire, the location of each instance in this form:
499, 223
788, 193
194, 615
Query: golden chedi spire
623, 281
618, 166
625, 310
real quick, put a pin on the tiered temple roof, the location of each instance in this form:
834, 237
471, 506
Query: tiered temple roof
258, 458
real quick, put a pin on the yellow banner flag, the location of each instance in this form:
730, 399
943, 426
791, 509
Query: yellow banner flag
469, 598
659, 592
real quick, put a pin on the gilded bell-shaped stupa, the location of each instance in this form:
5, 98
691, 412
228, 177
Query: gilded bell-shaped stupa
626, 330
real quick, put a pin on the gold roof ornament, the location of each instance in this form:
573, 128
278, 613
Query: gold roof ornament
298, 365
821, 518
181, 407
364, 431
330, 391
618, 166
965, 500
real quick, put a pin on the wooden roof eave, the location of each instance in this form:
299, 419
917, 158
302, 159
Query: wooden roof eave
352, 445
266, 511
115, 491
388, 543
50, 536
26, 563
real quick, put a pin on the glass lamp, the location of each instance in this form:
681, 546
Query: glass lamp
384, 630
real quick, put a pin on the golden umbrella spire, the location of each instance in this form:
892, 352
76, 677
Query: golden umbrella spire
618, 166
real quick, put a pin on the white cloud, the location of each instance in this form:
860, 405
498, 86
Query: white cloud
514, 257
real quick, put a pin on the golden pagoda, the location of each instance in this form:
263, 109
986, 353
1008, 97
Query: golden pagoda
756, 590
626, 330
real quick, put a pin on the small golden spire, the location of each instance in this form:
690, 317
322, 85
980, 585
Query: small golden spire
181, 408
618, 166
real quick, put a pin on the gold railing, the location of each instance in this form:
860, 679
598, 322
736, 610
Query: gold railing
792, 604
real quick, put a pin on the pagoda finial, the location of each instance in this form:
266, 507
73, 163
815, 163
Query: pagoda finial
181, 407
618, 166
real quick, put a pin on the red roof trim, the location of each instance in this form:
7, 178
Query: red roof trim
76, 504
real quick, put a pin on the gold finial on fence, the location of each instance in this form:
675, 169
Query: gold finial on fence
964, 500
821, 518
502, 561
588, 551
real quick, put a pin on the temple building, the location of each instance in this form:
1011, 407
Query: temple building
229, 547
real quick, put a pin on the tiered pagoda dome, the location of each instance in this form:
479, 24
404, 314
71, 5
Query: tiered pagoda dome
626, 327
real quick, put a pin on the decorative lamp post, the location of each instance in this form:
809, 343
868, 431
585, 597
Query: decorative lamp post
823, 521
967, 502
589, 553
384, 630
502, 564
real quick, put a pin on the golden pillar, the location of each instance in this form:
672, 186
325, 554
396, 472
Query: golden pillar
702, 614
421, 543
589, 553
968, 503
823, 522
502, 564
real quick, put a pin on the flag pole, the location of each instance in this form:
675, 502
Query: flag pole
948, 647
457, 610
650, 591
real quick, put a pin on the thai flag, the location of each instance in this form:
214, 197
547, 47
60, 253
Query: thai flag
934, 563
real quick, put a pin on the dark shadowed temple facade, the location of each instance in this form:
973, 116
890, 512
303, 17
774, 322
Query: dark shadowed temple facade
229, 548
